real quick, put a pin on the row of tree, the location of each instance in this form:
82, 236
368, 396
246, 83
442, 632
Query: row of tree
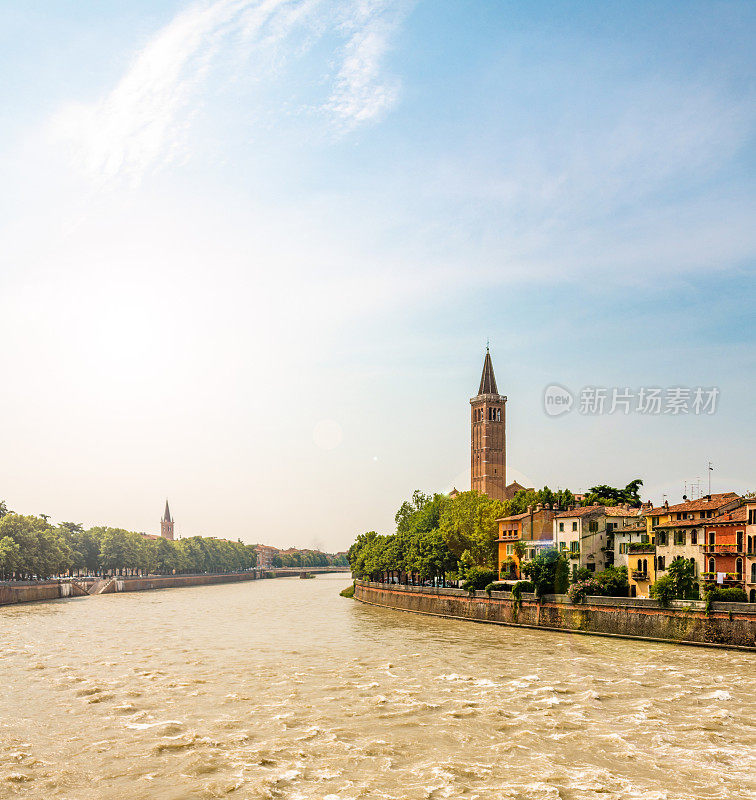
434, 535
309, 558
32, 548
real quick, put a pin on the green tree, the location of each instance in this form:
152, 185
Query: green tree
548, 572
683, 574
468, 524
10, 555
604, 495
560, 500
115, 549
664, 590
42, 552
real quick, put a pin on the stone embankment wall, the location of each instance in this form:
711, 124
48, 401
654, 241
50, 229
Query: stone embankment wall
727, 624
31, 592
175, 581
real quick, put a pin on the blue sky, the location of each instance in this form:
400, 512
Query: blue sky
253, 249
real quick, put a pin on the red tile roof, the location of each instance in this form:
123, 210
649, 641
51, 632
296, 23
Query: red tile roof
608, 511
716, 501
620, 511
684, 523
737, 515
514, 517
581, 511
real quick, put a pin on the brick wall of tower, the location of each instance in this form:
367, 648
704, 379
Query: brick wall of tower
166, 529
488, 446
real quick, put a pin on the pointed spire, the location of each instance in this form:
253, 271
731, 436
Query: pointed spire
487, 379
167, 514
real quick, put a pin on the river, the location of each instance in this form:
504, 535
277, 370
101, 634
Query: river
283, 689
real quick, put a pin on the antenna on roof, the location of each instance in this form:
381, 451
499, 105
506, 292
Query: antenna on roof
711, 469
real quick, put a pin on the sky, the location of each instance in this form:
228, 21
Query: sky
251, 252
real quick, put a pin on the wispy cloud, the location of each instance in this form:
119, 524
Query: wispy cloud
142, 123
362, 92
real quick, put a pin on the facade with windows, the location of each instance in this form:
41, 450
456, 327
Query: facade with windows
680, 539
678, 531
641, 569
750, 553
586, 535
724, 549
626, 535
521, 536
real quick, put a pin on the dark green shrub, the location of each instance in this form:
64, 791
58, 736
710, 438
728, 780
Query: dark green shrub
523, 586
478, 578
348, 592
730, 595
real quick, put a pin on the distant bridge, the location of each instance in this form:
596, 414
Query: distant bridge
291, 572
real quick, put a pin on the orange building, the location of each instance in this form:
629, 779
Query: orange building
520, 538
724, 548
750, 563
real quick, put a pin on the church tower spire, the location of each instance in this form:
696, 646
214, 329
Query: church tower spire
166, 523
488, 444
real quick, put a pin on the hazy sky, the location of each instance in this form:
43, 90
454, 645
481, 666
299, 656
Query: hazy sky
251, 251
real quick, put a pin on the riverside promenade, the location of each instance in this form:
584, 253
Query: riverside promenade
728, 625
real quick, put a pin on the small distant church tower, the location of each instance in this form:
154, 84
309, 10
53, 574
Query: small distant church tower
166, 523
488, 443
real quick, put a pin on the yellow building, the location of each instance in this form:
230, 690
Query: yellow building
641, 568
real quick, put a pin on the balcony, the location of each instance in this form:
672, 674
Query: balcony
641, 549
639, 575
730, 579
724, 549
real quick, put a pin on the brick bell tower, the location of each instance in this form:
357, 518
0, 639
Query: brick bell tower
488, 443
166, 523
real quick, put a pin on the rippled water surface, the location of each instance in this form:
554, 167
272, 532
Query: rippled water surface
284, 689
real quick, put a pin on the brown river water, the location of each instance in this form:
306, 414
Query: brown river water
283, 689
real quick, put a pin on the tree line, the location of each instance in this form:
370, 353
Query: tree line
309, 558
32, 548
438, 538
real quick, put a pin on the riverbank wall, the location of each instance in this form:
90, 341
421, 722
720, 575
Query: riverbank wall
177, 581
34, 592
727, 624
